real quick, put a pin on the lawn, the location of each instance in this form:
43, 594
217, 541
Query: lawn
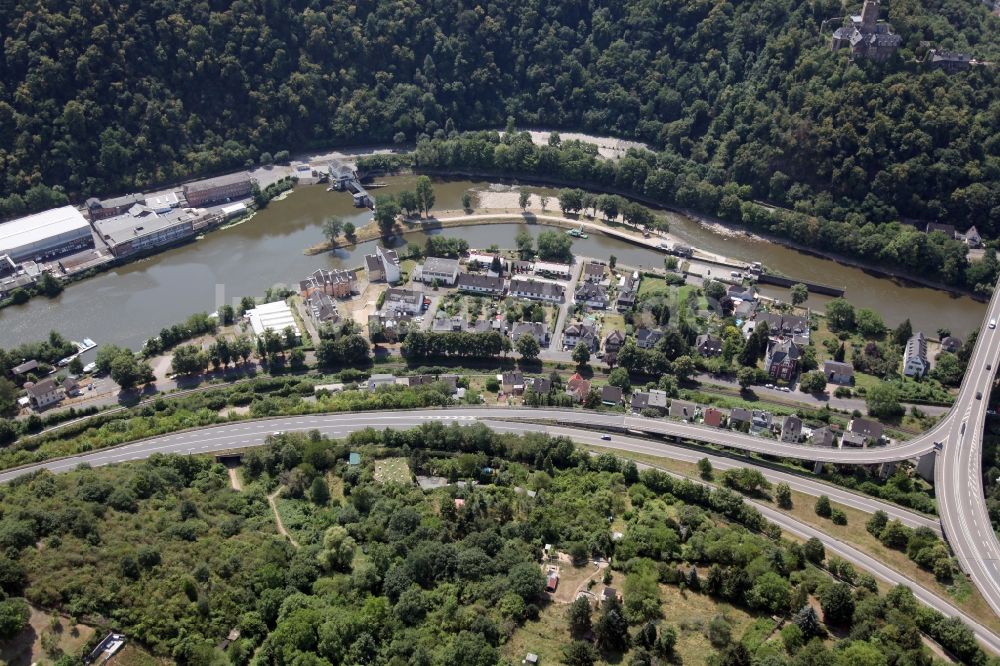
393, 470
544, 636
652, 285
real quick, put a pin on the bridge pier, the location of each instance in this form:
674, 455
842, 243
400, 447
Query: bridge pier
925, 466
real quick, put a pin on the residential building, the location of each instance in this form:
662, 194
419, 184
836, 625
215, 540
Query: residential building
24, 368
141, 229
274, 317
383, 265
101, 209
322, 308
948, 61
915, 363
783, 324
578, 387
740, 418
535, 329
951, 344
947, 229
218, 190
646, 338
493, 264
853, 439
537, 290
867, 428
791, 430
714, 417
377, 381
404, 301
682, 409
760, 419
71, 387
825, 436
613, 342
553, 270
43, 394
611, 395
741, 293
838, 372
538, 384
628, 291
782, 359
654, 399
581, 331
481, 284
866, 36
520, 267
445, 324
972, 237
512, 382
388, 325
341, 174
593, 272
591, 294
46, 234
444, 271
708, 346
337, 283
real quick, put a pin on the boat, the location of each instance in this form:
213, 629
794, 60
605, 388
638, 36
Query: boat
577, 233
86, 345
89, 368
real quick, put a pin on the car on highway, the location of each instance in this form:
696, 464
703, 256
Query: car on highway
277, 433
606, 438
769, 386
993, 323
979, 395
785, 389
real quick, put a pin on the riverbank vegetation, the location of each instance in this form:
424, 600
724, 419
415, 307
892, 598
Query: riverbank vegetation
386, 572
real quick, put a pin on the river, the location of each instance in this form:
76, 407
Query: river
127, 305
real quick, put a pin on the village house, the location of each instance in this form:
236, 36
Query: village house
654, 399
581, 331
824, 436
591, 295
403, 301
760, 420
791, 430
512, 382
683, 410
713, 416
947, 229
783, 324
540, 385
915, 363
628, 291
611, 395
613, 342
951, 344
444, 271
445, 324
337, 283
972, 237
593, 272
480, 284
782, 359
322, 308
853, 439
947, 61
552, 269
646, 338
708, 346
578, 387
24, 368
535, 329
740, 419
537, 290
377, 381
871, 430
838, 372
383, 266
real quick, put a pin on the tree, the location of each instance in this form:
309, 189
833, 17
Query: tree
611, 629
840, 315
619, 377
807, 620
877, 523
75, 366
883, 401
799, 293
749, 376
770, 592
466, 201
705, 469
544, 200
903, 332
128, 371
528, 347
837, 602
523, 198
425, 194
555, 246
349, 231
814, 550
823, 508
188, 360
579, 653
332, 227
578, 616
783, 496
813, 382
525, 245
581, 354
869, 323
386, 211
409, 202
319, 493
14, 614
684, 367
338, 549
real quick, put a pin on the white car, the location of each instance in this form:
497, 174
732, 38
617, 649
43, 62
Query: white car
785, 389
769, 386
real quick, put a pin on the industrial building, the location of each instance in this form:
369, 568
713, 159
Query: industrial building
274, 317
141, 229
219, 190
46, 234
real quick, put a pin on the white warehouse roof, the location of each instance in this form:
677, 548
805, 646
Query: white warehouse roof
275, 316
36, 228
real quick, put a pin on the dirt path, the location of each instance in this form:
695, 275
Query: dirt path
601, 566
234, 479
277, 518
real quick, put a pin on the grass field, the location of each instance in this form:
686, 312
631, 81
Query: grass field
393, 470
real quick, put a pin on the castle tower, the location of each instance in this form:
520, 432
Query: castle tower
869, 16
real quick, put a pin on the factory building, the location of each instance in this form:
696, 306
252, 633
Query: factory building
47, 234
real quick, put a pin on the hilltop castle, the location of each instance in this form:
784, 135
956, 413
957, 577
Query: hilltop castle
866, 36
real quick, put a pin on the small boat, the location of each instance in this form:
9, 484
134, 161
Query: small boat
86, 345
89, 368
577, 233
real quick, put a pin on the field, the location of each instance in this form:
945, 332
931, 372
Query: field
393, 470
27, 647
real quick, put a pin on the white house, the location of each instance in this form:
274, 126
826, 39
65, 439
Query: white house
915, 362
445, 271
537, 290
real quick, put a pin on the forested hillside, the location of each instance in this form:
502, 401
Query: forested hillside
102, 96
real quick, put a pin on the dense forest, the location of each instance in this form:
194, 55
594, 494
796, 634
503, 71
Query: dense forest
379, 571
98, 97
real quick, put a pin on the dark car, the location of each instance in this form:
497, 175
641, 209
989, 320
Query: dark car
606, 438
979, 395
